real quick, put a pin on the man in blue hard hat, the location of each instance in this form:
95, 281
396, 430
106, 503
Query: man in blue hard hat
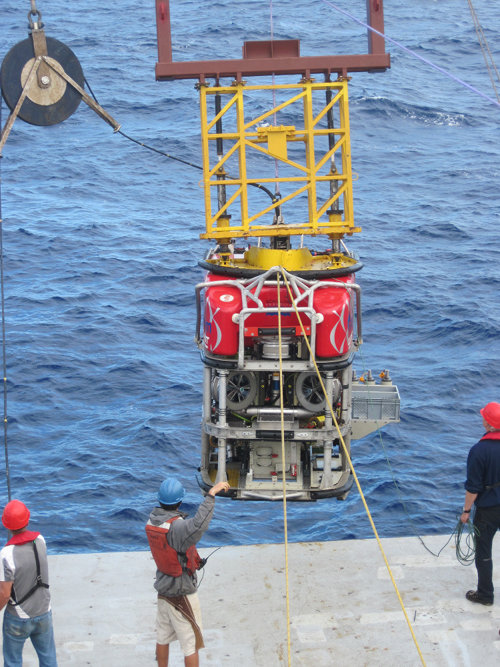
482, 489
172, 538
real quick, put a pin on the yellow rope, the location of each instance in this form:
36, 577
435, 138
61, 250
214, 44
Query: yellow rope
283, 474
346, 453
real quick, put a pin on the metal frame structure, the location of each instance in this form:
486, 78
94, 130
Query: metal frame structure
273, 56
330, 214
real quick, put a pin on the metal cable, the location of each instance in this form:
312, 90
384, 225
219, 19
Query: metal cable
485, 48
174, 157
156, 150
4, 357
414, 54
276, 163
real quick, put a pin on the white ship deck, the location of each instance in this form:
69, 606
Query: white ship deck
343, 607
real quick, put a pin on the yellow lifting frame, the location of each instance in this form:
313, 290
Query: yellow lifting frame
251, 135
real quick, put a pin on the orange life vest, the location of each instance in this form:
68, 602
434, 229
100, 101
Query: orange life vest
166, 557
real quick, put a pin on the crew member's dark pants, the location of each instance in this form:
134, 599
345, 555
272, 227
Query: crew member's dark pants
487, 521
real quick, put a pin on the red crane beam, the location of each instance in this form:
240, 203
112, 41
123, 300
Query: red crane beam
273, 56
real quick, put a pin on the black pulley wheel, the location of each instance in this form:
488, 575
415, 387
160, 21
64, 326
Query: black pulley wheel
42, 106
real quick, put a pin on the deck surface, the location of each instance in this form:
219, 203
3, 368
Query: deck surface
343, 607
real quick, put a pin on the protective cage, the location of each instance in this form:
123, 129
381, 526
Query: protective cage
241, 433
311, 163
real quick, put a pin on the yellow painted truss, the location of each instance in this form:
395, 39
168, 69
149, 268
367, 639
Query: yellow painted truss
312, 172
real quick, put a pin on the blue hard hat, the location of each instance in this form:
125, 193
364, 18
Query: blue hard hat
171, 492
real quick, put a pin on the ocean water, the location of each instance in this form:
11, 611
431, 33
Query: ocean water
101, 244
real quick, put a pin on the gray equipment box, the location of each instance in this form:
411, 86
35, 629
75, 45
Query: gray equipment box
373, 406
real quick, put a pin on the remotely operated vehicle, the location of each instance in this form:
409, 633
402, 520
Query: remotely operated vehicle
279, 308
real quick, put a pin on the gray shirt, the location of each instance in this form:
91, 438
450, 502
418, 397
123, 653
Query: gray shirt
17, 564
183, 533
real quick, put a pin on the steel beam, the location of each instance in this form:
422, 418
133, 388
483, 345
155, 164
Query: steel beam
274, 56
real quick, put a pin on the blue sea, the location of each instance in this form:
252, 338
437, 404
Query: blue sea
101, 244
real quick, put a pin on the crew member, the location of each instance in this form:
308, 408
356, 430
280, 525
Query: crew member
24, 590
172, 538
482, 489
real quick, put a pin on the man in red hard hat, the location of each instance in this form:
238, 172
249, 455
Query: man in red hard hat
24, 584
482, 489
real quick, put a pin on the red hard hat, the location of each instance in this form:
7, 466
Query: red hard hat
491, 413
15, 515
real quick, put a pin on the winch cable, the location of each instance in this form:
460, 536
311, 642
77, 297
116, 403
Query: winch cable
282, 411
485, 48
463, 557
174, 157
414, 54
277, 192
4, 355
351, 466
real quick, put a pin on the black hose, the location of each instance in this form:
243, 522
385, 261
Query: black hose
273, 197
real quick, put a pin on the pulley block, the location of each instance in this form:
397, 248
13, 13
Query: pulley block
51, 100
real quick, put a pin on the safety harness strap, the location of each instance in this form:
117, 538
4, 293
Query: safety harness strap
39, 583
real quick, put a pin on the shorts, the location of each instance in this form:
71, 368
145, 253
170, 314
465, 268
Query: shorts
171, 624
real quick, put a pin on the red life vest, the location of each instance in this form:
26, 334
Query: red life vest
22, 538
165, 556
491, 435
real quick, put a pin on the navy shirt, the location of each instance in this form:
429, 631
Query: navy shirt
483, 469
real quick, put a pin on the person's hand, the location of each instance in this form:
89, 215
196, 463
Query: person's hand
220, 486
464, 517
